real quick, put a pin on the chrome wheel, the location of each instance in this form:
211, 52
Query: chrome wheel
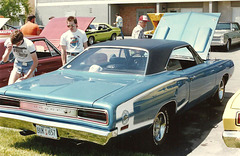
159, 127
221, 91
219, 95
90, 40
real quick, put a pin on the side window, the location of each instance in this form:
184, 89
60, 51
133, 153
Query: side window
44, 50
101, 27
180, 59
235, 27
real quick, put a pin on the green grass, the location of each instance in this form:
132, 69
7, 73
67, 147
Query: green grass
13, 144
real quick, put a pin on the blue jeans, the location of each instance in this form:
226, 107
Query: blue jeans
121, 32
22, 67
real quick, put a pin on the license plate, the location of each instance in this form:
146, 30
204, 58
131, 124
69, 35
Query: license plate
48, 132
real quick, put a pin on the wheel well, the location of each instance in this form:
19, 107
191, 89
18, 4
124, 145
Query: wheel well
92, 37
171, 106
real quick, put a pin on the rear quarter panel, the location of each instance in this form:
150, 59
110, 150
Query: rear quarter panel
143, 99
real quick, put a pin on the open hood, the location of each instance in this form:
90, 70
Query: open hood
195, 28
3, 21
57, 26
155, 18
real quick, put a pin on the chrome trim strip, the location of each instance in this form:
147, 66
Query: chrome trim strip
180, 107
126, 47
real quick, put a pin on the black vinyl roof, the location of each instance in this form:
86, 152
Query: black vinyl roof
159, 50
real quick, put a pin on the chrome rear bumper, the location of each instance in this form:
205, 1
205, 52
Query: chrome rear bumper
232, 138
64, 130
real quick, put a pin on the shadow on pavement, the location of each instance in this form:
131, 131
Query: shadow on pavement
233, 48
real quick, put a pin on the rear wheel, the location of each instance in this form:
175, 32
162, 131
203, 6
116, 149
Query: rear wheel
91, 40
219, 95
113, 37
160, 128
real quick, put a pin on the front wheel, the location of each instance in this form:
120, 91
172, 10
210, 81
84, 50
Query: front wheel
113, 37
219, 95
160, 128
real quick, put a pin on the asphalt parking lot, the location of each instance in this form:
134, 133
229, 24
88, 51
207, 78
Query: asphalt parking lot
212, 143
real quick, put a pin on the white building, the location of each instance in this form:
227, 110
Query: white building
130, 10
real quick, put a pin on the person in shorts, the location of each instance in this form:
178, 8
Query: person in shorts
25, 55
72, 41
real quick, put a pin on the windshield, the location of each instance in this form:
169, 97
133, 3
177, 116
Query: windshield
93, 26
223, 26
111, 60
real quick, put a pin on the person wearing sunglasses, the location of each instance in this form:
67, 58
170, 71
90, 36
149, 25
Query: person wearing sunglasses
72, 41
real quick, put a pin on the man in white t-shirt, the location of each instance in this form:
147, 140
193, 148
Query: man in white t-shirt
72, 41
26, 60
138, 31
119, 23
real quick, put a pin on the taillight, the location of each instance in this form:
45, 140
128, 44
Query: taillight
10, 102
94, 115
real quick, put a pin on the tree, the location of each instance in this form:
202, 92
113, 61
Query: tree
13, 8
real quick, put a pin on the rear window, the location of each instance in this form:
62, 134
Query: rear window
111, 60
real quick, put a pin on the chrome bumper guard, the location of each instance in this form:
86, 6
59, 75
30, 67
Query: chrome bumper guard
64, 130
232, 138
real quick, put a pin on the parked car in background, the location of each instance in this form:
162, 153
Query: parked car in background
231, 122
5, 30
101, 32
49, 58
116, 87
155, 18
226, 34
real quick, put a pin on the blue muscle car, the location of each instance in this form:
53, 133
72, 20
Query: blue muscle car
117, 87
